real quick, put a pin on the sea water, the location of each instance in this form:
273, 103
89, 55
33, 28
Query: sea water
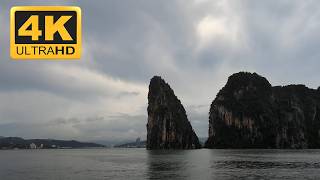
139, 164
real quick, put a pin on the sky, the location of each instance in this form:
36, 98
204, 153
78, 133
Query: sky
195, 45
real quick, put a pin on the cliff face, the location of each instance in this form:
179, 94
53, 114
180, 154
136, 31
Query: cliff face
168, 126
249, 113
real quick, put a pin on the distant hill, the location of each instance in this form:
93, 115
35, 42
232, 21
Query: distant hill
17, 142
137, 144
111, 143
203, 140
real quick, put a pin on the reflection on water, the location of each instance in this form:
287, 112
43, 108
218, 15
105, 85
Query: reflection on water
169, 164
234, 164
142, 164
263, 165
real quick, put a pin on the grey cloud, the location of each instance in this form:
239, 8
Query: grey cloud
125, 94
132, 28
121, 127
198, 116
63, 121
200, 106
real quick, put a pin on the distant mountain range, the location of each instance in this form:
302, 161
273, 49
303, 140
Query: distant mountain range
142, 144
137, 144
20, 143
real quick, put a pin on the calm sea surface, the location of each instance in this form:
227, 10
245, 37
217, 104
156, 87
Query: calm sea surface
142, 164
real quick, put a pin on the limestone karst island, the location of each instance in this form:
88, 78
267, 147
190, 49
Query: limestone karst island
248, 112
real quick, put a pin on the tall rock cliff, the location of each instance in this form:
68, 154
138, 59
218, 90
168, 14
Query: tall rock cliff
168, 126
249, 113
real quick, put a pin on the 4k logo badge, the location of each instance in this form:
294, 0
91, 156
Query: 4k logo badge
45, 32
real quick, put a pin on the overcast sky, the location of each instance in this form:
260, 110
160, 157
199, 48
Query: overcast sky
193, 44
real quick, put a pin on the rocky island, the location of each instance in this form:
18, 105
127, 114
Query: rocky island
250, 113
168, 126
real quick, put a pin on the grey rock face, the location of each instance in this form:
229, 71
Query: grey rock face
249, 113
168, 126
